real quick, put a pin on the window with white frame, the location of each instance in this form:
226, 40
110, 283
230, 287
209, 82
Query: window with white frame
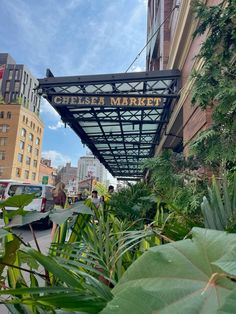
31, 137
4, 128
26, 174
27, 160
23, 132
20, 157
3, 141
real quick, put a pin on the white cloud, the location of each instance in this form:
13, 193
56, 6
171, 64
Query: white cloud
45, 107
137, 68
57, 158
59, 125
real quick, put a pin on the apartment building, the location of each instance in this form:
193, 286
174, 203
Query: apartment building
90, 167
21, 130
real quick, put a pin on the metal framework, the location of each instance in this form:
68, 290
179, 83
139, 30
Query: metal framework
118, 116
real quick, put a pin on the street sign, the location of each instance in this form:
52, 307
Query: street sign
45, 180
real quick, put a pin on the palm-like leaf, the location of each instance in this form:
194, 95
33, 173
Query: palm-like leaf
219, 208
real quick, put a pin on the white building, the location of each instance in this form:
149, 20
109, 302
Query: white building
90, 167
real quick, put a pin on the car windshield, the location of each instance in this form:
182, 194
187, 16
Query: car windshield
25, 189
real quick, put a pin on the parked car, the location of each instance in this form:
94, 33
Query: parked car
42, 202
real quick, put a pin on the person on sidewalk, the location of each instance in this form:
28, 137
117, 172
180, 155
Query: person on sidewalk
59, 198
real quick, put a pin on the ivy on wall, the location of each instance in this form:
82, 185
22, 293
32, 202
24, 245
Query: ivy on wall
215, 82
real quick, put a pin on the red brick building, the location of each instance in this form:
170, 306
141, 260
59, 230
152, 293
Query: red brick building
170, 26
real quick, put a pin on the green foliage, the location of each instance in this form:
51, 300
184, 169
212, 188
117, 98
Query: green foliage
129, 204
219, 208
215, 148
215, 82
180, 277
176, 180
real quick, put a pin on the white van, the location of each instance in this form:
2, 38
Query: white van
4, 185
43, 200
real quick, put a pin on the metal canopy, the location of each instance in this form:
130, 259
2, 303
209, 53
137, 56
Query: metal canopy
118, 116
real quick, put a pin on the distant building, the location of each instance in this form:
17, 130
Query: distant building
90, 167
21, 130
18, 84
68, 175
47, 173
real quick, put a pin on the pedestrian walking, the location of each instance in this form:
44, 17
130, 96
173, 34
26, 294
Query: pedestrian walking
59, 198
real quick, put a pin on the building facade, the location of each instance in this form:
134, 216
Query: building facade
172, 46
90, 167
21, 130
21, 135
47, 174
18, 84
68, 175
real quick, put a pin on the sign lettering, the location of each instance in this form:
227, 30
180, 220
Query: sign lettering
111, 101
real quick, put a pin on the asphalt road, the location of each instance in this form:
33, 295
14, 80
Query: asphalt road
43, 238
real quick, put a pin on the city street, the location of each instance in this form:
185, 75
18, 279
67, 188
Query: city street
43, 237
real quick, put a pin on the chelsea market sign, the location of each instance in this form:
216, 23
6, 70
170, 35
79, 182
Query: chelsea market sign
110, 101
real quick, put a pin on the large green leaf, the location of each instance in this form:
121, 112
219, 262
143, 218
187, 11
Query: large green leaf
29, 217
18, 200
56, 269
60, 216
228, 262
173, 278
9, 257
230, 304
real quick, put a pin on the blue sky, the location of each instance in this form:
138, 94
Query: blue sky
72, 37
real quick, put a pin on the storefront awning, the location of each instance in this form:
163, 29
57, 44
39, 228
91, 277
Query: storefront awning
120, 117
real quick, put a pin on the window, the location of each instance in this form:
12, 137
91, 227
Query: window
36, 151
16, 74
29, 149
1, 114
1, 171
23, 132
33, 176
26, 174
4, 128
2, 155
18, 172
6, 97
37, 141
8, 86
8, 115
17, 86
26, 120
3, 141
27, 160
10, 74
20, 157
23, 118
22, 145
31, 137
35, 163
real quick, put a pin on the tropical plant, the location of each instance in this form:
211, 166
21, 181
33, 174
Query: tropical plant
219, 208
79, 272
188, 276
128, 203
177, 181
